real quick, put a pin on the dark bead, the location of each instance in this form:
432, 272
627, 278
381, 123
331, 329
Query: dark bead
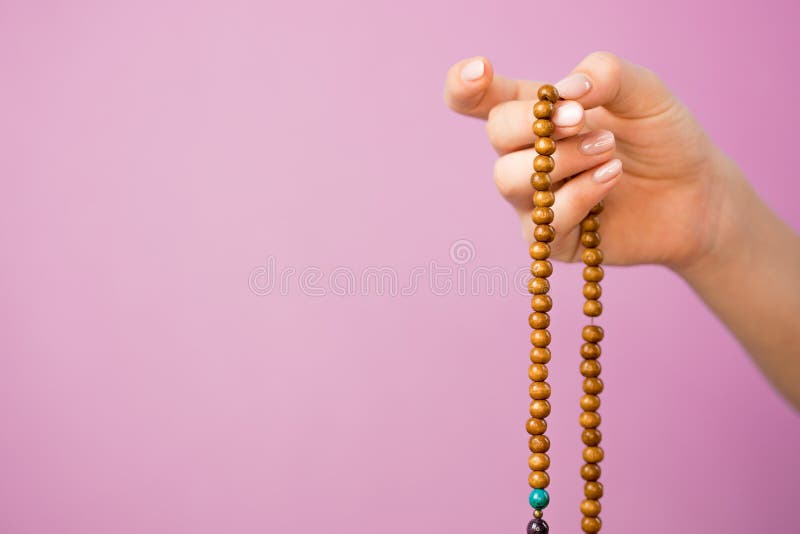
538, 526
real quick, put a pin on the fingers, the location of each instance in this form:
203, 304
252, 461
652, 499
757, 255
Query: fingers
572, 202
623, 88
512, 172
472, 88
510, 123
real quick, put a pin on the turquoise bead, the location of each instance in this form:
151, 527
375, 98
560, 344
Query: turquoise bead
539, 499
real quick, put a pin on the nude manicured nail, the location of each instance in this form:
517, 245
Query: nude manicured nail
472, 70
568, 114
608, 171
596, 143
574, 86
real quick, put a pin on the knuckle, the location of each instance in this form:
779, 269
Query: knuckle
500, 175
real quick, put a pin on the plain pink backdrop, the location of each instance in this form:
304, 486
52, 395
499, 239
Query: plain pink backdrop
156, 154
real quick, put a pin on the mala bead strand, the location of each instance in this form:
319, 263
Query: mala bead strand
590, 369
539, 320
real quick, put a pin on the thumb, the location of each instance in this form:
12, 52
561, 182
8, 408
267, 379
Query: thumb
623, 88
472, 88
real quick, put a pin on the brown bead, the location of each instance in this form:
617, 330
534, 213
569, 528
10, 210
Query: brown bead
541, 268
590, 472
590, 507
590, 403
590, 368
543, 199
542, 303
542, 215
539, 390
541, 180
589, 419
593, 490
591, 437
538, 461
591, 525
543, 109
543, 163
590, 239
592, 290
543, 127
592, 386
538, 479
538, 286
592, 308
539, 320
545, 145
592, 333
539, 251
548, 92
544, 232
590, 223
536, 426
539, 444
539, 409
591, 351
592, 256
593, 455
540, 355
598, 208
593, 273
537, 372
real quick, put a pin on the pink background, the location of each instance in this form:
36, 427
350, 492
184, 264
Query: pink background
156, 154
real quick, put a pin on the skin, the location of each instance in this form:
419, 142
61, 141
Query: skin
679, 202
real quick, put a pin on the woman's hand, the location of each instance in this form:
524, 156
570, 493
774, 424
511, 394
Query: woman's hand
661, 209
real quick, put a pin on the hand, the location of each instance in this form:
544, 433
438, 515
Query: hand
662, 209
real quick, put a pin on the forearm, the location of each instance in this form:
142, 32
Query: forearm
751, 280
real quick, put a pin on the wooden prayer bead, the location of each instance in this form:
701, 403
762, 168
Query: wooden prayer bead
593, 273
592, 308
541, 180
592, 333
539, 251
539, 443
591, 437
540, 355
590, 224
593, 386
539, 409
538, 286
544, 232
542, 303
590, 351
590, 239
597, 208
536, 426
590, 368
538, 461
592, 455
537, 372
590, 507
543, 127
591, 525
544, 199
592, 256
540, 338
592, 290
590, 403
543, 163
541, 268
590, 472
593, 490
548, 92
543, 109
545, 145
539, 479
542, 215
589, 419
539, 320
539, 390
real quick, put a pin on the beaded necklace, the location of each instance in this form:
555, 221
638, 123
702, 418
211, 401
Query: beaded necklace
539, 320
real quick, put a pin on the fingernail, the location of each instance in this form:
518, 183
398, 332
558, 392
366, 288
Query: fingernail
568, 114
574, 86
596, 142
607, 172
472, 70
